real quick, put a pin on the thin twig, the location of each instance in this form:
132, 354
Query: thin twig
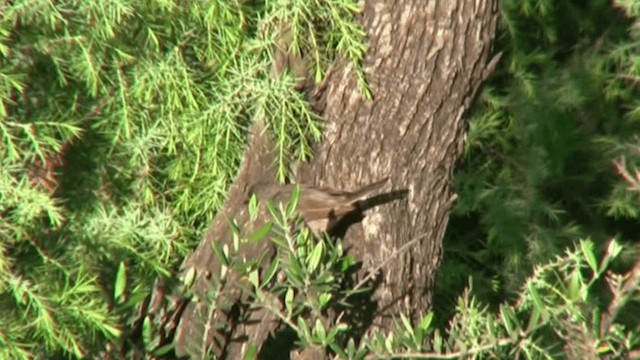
620, 298
399, 251
452, 355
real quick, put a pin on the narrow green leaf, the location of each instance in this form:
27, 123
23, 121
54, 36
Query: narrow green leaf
147, 330
534, 318
189, 278
324, 299
275, 213
254, 278
587, 250
361, 354
251, 352
219, 252
437, 341
121, 283
306, 331
235, 228
536, 298
261, 233
272, 271
506, 313
253, 207
320, 332
347, 263
236, 243
339, 352
288, 301
315, 257
163, 350
135, 299
295, 269
407, 326
293, 202
351, 348
422, 328
388, 343
425, 322
575, 284
613, 250
595, 328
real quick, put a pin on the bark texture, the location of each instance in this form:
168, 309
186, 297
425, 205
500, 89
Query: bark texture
426, 61
425, 64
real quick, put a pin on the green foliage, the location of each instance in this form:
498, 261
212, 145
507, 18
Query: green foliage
123, 122
539, 164
571, 306
297, 285
561, 311
121, 125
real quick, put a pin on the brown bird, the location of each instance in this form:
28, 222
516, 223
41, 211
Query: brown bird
321, 208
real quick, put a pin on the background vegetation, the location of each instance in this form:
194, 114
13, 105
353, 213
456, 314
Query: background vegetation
540, 166
123, 122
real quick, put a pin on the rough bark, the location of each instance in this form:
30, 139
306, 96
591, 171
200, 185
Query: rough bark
198, 327
425, 63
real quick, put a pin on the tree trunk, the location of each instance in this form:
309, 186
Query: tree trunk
425, 64
426, 61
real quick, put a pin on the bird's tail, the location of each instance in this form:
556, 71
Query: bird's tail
367, 191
